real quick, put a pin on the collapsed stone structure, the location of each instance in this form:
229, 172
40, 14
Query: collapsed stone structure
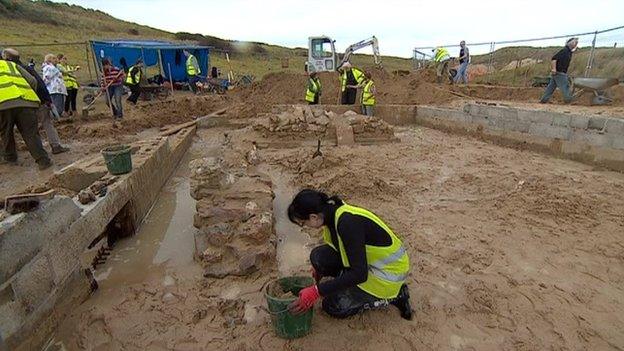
234, 216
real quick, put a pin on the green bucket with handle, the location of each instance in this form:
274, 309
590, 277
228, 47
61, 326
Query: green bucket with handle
286, 324
118, 159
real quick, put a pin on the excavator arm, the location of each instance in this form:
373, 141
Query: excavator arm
372, 41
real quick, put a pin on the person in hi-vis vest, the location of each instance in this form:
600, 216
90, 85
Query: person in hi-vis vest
192, 70
361, 265
313, 93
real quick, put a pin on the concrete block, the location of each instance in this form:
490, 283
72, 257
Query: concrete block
579, 121
561, 120
549, 131
615, 126
617, 141
536, 116
519, 126
597, 122
506, 113
34, 282
590, 137
22, 237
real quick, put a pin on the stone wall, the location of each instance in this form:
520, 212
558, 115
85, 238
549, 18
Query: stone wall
41, 272
595, 140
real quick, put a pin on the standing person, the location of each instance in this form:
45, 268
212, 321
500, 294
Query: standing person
192, 70
44, 112
113, 78
464, 59
441, 57
53, 79
349, 78
368, 262
18, 108
559, 65
313, 93
70, 83
133, 81
368, 94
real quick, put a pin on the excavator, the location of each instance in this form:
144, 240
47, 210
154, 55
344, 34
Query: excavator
322, 55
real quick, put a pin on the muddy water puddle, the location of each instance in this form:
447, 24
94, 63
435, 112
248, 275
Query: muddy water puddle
293, 244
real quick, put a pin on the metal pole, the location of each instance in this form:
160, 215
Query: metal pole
170, 77
490, 62
590, 60
88, 63
161, 69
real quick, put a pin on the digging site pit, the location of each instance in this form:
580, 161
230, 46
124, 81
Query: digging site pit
511, 213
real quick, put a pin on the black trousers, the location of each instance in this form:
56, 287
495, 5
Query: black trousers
316, 100
135, 92
27, 122
349, 96
70, 100
326, 261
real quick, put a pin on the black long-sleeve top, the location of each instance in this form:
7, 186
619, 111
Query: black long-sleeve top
42, 91
356, 232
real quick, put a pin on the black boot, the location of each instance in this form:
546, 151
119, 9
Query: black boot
403, 304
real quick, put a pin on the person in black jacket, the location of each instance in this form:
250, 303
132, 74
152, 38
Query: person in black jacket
45, 111
365, 263
559, 65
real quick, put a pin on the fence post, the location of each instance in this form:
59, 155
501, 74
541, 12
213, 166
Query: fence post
590, 60
489, 68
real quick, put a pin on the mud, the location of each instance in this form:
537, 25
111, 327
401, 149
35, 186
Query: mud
509, 249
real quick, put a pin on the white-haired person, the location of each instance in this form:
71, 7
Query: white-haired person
53, 79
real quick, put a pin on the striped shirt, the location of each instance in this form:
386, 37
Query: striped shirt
113, 75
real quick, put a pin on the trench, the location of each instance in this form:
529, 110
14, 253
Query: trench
161, 250
292, 243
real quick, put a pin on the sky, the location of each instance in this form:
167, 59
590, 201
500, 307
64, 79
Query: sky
399, 25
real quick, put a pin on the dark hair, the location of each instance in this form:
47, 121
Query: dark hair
106, 62
309, 201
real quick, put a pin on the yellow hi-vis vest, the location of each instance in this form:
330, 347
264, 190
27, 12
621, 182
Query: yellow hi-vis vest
68, 77
368, 98
441, 54
190, 69
132, 81
359, 77
387, 266
314, 88
13, 85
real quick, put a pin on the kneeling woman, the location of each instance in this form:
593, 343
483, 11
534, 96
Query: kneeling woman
367, 260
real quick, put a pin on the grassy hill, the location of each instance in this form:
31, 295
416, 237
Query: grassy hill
45, 22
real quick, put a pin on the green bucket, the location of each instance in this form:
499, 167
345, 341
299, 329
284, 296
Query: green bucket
286, 324
118, 159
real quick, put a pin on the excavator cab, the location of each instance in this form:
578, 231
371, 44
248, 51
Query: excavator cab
321, 54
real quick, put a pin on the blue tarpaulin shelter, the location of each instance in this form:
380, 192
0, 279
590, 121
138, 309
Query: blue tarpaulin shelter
167, 55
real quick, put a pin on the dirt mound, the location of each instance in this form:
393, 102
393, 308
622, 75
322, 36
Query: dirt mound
144, 116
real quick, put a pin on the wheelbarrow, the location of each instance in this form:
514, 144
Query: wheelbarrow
598, 86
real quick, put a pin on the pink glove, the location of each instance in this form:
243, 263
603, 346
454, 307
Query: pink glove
307, 298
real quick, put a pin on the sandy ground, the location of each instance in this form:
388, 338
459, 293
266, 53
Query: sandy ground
510, 250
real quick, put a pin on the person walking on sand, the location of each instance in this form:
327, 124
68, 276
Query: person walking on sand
45, 111
559, 65
464, 59
313, 94
53, 79
71, 84
366, 259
